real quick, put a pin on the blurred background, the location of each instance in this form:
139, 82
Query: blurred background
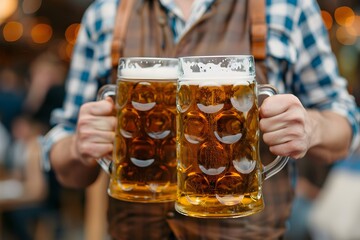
36, 42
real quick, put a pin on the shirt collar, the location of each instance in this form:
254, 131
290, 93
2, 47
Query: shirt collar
199, 7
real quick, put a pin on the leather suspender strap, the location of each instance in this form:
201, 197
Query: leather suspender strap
258, 28
119, 34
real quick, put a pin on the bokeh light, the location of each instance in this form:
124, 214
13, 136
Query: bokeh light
65, 50
13, 31
327, 18
71, 33
41, 33
356, 25
31, 6
7, 8
69, 50
344, 16
345, 36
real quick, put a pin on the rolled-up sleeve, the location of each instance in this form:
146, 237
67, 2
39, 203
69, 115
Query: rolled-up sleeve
301, 61
91, 61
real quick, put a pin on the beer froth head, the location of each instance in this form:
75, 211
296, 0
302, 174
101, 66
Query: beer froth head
148, 68
217, 67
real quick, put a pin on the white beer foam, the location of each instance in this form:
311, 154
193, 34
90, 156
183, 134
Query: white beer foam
156, 72
231, 68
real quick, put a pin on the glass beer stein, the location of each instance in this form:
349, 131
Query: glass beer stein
143, 165
220, 173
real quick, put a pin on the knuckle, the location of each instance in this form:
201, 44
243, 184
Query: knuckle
264, 110
266, 138
262, 125
297, 149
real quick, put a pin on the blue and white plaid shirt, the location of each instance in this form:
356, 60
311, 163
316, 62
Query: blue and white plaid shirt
299, 58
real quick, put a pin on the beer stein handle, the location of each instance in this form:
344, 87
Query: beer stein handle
108, 90
279, 162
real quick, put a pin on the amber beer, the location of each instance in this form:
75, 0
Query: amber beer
219, 169
144, 157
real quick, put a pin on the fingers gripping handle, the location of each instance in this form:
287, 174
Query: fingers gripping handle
279, 162
108, 90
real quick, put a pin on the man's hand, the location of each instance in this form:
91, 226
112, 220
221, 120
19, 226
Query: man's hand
287, 128
95, 131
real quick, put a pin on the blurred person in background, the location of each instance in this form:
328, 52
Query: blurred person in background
46, 90
335, 212
5, 140
314, 116
12, 95
312, 176
34, 198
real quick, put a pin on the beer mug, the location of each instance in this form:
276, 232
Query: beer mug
143, 168
219, 169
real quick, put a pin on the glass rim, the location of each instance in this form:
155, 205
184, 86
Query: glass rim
218, 56
149, 58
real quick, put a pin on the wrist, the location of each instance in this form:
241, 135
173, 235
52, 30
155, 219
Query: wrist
314, 128
73, 151
76, 156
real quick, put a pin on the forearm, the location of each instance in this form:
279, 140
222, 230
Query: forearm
70, 171
331, 136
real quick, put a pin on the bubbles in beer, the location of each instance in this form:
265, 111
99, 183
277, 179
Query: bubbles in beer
126, 187
145, 155
169, 96
123, 94
129, 172
244, 157
142, 152
143, 96
167, 152
157, 178
252, 124
120, 148
244, 165
212, 158
157, 188
195, 127
211, 97
129, 123
229, 126
196, 187
243, 97
230, 189
184, 99
188, 156
217, 148
158, 123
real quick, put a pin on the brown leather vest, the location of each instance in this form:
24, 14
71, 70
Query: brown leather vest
229, 27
